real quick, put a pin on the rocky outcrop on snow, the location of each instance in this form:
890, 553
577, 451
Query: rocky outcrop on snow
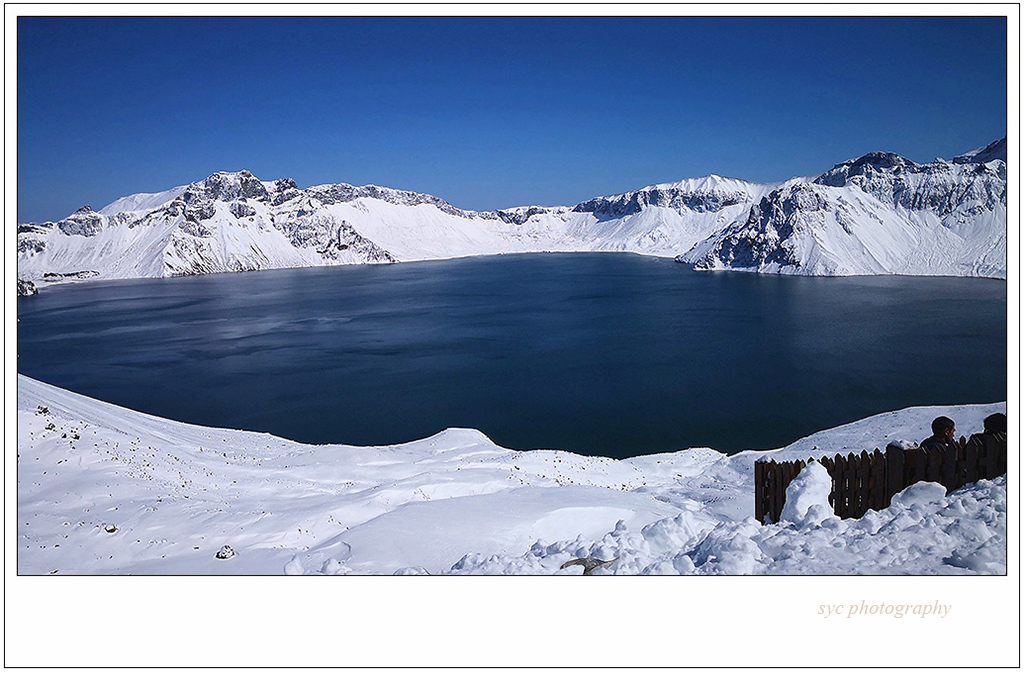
26, 287
32, 237
307, 225
343, 192
764, 239
520, 214
702, 195
877, 214
84, 222
81, 274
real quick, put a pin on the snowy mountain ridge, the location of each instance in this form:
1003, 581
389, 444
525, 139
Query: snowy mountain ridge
876, 214
994, 150
704, 194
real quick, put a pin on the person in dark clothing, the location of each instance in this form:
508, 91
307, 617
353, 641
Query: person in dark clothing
943, 435
993, 438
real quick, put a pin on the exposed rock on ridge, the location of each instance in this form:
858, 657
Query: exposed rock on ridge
713, 194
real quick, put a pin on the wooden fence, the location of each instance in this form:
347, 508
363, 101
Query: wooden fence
869, 480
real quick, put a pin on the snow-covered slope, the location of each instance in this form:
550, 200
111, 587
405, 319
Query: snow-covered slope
878, 214
105, 490
143, 201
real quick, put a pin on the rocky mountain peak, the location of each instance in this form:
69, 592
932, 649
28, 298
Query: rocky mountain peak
84, 222
867, 166
227, 186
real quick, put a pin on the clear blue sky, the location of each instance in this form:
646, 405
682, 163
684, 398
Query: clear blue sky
489, 112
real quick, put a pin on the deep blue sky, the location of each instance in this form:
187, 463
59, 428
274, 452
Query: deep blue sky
489, 113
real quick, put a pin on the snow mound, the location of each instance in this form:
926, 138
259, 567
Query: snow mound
920, 493
807, 496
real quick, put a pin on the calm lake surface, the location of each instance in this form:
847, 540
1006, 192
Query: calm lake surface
600, 354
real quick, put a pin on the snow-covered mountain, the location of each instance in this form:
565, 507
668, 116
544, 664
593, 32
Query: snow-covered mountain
877, 214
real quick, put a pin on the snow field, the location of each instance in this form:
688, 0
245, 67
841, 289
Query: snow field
105, 490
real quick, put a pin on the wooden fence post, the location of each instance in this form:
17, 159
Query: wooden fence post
859, 461
985, 462
876, 494
894, 472
971, 464
949, 457
778, 491
915, 461
759, 491
839, 479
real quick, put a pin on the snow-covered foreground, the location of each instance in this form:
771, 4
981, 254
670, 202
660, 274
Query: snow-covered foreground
105, 490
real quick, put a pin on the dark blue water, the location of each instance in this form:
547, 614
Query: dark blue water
607, 354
